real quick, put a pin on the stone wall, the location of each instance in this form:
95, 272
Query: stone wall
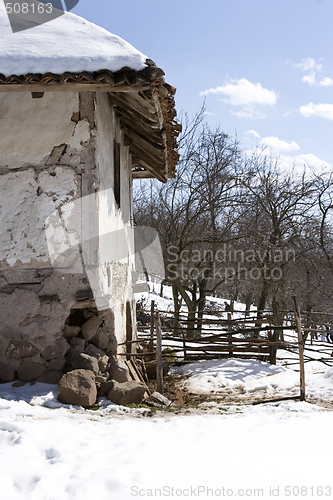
55, 150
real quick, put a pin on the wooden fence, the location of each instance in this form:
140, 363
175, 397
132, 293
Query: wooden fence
249, 336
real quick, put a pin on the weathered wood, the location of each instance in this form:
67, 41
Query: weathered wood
135, 101
157, 172
230, 334
85, 304
56, 154
300, 349
142, 174
139, 148
153, 143
159, 360
152, 314
136, 375
70, 87
144, 119
276, 332
287, 398
87, 107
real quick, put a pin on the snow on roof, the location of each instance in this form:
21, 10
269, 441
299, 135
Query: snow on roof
68, 43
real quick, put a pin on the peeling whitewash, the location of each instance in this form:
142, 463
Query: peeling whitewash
62, 232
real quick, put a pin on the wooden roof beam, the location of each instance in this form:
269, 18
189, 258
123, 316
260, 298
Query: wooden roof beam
70, 87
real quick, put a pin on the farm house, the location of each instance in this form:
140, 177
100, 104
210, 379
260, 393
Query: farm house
82, 114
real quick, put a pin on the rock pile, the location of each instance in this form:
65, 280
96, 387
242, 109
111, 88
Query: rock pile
83, 362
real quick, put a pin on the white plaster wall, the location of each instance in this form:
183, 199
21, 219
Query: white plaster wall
30, 128
29, 131
115, 230
27, 198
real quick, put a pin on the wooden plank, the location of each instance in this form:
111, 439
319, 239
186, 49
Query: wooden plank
137, 102
152, 324
230, 335
131, 370
56, 154
153, 142
300, 349
85, 304
142, 118
143, 174
70, 87
157, 173
277, 333
87, 107
159, 360
136, 375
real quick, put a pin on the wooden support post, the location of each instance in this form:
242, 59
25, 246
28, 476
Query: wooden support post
277, 333
152, 319
300, 349
159, 360
230, 335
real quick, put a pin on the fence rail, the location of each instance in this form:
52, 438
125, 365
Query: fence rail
257, 336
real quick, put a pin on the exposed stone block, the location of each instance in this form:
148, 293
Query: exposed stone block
52, 377
7, 373
19, 349
77, 343
57, 350
118, 370
102, 358
127, 393
89, 329
28, 371
79, 360
71, 331
105, 387
103, 363
78, 388
92, 350
57, 365
106, 341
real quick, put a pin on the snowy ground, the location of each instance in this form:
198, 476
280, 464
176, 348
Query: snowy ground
50, 451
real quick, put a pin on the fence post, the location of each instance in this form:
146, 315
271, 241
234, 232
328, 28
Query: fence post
277, 333
159, 360
231, 351
300, 349
152, 313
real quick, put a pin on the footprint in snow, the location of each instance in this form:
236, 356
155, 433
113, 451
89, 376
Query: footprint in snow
52, 455
9, 434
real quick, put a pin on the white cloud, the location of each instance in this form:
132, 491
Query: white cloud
322, 110
278, 144
277, 150
274, 143
311, 160
252, 132
299, 164
246, 95
308, 64
310, 79
248, 112
326, 82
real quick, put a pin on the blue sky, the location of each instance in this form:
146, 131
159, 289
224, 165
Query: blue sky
264, 67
